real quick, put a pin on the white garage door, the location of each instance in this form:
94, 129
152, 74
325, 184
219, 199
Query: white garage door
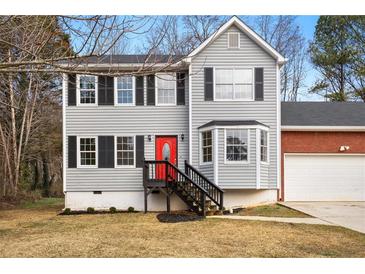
324, 178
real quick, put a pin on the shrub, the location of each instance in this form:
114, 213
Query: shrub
131, 209
112, 209
67, 211
90, 210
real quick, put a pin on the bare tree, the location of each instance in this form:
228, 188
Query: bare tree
285, 36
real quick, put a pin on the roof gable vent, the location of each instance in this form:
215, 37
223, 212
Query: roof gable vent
233, 40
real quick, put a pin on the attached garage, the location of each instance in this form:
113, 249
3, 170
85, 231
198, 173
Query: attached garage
324, 177
322, 151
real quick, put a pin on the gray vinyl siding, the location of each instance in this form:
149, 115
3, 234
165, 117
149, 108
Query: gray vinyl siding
264, 176
249, 55
119, 120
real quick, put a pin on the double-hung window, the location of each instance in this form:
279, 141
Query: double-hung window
87, 89
87, 150
166, 89
263, 145
233, 84
125, 151
125, 90
236, 145
206, 146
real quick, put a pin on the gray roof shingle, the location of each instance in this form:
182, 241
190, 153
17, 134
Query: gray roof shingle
131, 59
322, 114
231, 123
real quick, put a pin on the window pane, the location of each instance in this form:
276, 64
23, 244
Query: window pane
243, 76
224, 76
125, 82
87, 82
243, 91
125, 96
236, 145
224, 92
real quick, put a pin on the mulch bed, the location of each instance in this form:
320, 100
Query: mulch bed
177, 217
83, 212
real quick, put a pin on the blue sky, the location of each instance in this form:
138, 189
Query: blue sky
308, 24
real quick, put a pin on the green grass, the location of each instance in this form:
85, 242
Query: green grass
43, 203
272, 210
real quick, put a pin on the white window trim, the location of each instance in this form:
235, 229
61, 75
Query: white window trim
116, 151
156, 91
78, 97
201, 148
268, 147
234, 100
79, 152
246, 162
116, 103
239, 42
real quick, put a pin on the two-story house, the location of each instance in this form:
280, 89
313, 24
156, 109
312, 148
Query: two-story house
205, 125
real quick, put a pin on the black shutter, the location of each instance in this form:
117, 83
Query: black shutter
259, 84
139, 150
139, 91
208, 84
151, 90
72, 89
106, 151
180, 87
72, 151
105, 90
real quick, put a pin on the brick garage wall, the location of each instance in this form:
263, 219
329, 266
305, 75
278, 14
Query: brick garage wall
318, 142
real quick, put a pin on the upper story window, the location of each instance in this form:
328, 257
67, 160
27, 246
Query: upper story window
233, 84
125, 90
87, 85
87, 151
236, 145
166, 89
125, 151
233, 40
206, 145
264, 145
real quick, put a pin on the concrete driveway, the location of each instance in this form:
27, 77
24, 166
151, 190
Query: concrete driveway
347, 214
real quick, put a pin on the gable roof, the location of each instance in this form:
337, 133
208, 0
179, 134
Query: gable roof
245, 29
330, 114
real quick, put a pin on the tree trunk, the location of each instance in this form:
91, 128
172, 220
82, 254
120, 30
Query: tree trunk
45, 176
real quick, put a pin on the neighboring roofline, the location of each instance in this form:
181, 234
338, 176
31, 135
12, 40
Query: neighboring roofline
323, 128
248, 31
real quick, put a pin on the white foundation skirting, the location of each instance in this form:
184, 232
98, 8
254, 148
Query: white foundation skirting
157, 202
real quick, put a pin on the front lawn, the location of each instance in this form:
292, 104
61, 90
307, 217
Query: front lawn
37, 231
272, 210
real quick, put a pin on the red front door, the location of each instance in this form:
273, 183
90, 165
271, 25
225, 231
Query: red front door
166, 149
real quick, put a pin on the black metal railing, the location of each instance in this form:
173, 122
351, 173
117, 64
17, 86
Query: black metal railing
215, 193
160, 171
